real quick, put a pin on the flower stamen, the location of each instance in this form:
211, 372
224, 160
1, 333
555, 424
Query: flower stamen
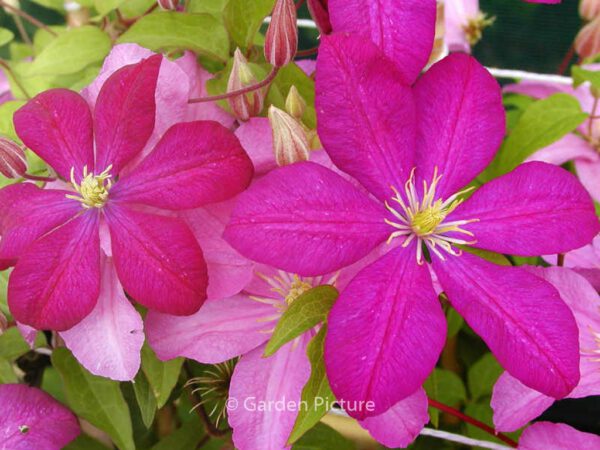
93, 189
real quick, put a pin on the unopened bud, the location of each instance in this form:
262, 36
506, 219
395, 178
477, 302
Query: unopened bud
319, 10
289, 138
78, 17
246, 105
281, 43
168, 5
587, 42
13, 163
295, 104
3, 323
10, 6
589, 9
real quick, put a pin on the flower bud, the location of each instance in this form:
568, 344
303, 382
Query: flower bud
246, 105
13, 163
281, 43
289, 138
320, 13
295, 104
587, 42
168, 5
589, 9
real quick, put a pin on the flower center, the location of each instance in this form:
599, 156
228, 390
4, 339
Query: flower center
475, 26
296, 289
425, 219
93, 189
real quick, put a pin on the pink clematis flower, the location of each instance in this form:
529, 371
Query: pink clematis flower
464, 24
557, 436
585, 261
582, 146
515, 404
58, 236
31, 419
388, 324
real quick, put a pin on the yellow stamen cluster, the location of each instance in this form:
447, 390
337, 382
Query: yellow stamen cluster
93, 189
424, 219
475, 26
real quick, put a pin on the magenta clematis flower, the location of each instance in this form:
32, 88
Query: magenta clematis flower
387, 329
57, 236
557, 436
581, 147
31, 419
515, 404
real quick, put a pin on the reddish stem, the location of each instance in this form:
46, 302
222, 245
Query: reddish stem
242, 91
564, 65
307, 52
28, 176
560, 260
476, 423
28, 18
299, 4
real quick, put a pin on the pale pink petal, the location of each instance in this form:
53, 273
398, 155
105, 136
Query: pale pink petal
28, 333
456, 16
197, 78
56, 282
124, 115
194, 163
366, 115
376, 333
461, 122
57, 126
520, 316
31, 419
306, 219
570, 147
589, 175
404, 30
28, 213
228, 271
158, 260
109, 340
538, 89
537, 209
221, 330
278, 378
515, 404
308, 66
402, 423
557, 436
256, 136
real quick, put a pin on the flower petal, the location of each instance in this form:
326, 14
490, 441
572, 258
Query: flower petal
109, 340
29, 213
403, 30
57, 126
376, 333
48, 424
228, 271
124, 115
589, 174
256, 136
221, 330
305, 219
158, 260
566, 149
402, 423
263, 381
56, 282
557, 436
515, 404
461, 121
521, 318
366, 115
537, 209
194, 163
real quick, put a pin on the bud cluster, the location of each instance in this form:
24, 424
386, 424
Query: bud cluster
13, 163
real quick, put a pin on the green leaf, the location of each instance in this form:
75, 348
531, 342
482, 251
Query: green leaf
162, 376
145, 398
483, 412
292, 75
316, 395
308, 310
57, 5
12, 344
7, 111
105, 6
97, 400
543, 123
7, 374
483, 375
71, 52
184, 438
213, 7
323, 437
243, 19
85, 442
445, 387
135, 8
164, 31
455, 322
6, 36
3, 291
581, 76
